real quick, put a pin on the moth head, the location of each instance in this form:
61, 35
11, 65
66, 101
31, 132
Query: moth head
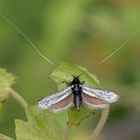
77, 76
76, 79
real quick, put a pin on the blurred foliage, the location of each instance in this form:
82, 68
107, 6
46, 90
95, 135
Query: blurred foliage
3, 137
41, 125
6, 81
81, 32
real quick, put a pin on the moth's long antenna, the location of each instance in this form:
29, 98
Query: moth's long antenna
29, 40
116, 50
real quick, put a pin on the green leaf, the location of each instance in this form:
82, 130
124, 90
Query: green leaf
6, 81
41, 125
75, 117
64, 73
1, 110
3, 137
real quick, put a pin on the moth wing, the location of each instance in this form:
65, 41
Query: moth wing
57, 102
97, 98
63, 105
92, 102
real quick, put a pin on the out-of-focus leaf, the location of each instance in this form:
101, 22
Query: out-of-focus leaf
65, 72
3, 137
41, 125
6, 81
1, 110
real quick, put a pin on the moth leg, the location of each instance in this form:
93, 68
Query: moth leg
67, 83
83, 82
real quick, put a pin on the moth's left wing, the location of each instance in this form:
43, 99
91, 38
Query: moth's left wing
97, 98
57, 102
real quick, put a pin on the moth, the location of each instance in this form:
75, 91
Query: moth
77, 94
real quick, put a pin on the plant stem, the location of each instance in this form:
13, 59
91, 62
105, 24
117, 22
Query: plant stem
17, 97
66, 131
100, 124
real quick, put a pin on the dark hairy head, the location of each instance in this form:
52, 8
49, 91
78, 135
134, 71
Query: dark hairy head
76, 80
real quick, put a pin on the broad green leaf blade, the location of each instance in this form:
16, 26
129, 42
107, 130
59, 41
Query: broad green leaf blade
41, 125
64, 73
6, 81
4, 137
75, 117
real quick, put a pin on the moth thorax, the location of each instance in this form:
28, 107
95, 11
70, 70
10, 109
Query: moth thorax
76, 88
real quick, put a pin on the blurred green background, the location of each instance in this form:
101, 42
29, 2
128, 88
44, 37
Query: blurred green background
82, 32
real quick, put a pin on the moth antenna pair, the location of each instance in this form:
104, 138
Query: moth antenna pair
46, 58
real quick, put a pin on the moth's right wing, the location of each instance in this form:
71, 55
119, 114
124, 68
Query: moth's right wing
95, 98
57, 102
